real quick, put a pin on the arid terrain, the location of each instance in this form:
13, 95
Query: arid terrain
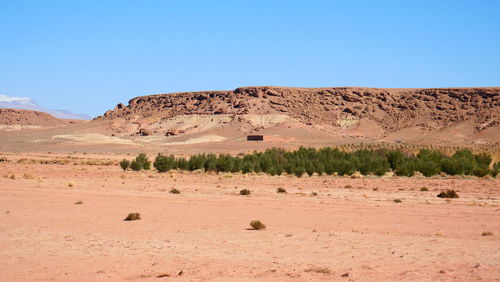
63, 221
64, 197
219, 121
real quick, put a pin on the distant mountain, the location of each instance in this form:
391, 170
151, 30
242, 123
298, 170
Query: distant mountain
8, 102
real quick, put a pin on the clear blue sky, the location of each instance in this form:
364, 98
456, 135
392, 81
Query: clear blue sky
87, 56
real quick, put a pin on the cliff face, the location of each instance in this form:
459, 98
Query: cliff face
392, 109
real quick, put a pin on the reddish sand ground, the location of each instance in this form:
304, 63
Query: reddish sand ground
354, 233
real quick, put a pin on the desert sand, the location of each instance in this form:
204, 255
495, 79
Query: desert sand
64, 222
64, 198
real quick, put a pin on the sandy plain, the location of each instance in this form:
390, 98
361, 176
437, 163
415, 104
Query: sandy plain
352, 230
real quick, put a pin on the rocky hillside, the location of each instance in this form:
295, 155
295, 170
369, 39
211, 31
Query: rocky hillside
17, 117
392, 109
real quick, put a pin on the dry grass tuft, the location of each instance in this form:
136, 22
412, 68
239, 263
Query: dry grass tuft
448, 194
133, 216
281, 190
322, 270
245, 192
28, 176
257, 225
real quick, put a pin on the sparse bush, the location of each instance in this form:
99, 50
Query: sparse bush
322, 270
448, 194
28, 176
424, 189
78, 203
141, 162
281, 190
245, 192
257, 225
487, 233
133, 216
495, 170
481, 172
174, 191
397, 201
314, 193
134, 165
125, 164
246, 167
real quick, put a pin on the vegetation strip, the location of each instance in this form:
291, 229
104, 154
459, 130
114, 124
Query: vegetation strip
327, 161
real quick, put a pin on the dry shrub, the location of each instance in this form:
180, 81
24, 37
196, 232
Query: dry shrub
174, 191
281, 190
487, 233
133, 216
28, 176
257, 225
245, 192
323, 270
71, 184
448, 194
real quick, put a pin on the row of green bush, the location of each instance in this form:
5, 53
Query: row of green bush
327, 161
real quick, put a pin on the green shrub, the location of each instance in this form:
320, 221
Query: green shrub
141, 162
394, 157
483, 160
125, 164
182, 164
164, 163
481, 172
428, 168
246, 167
496, 169
406, 167
330, 161
299, 171
135, 165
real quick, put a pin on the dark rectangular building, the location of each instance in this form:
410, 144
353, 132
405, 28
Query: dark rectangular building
255, 137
